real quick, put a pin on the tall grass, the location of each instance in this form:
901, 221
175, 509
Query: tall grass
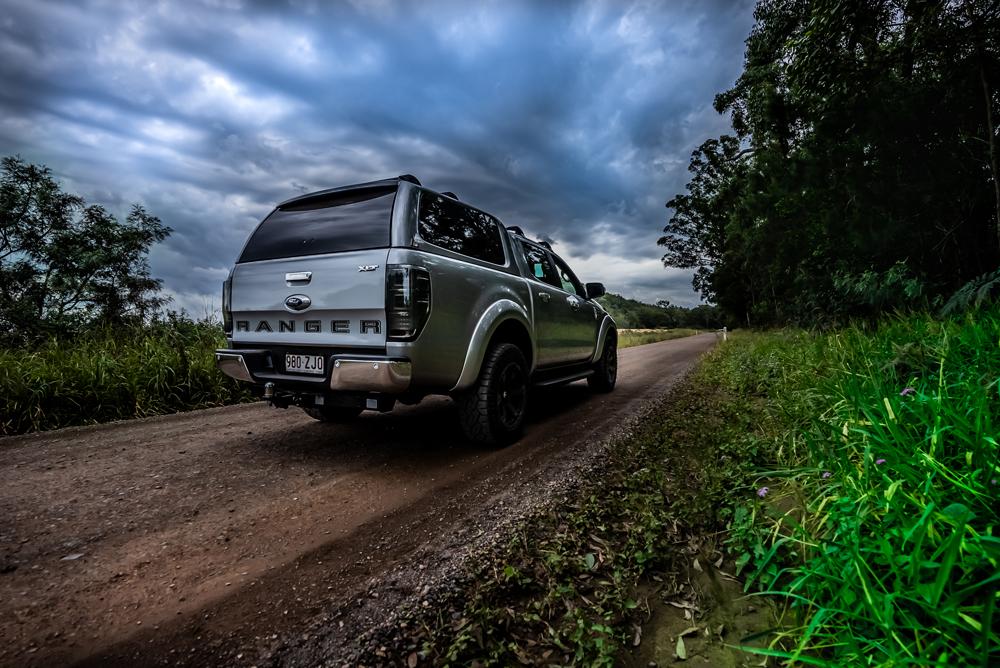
880, 522
639, 337
112, 374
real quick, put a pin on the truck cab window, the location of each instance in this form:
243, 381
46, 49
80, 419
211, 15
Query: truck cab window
539, 264
460, 229
567, 280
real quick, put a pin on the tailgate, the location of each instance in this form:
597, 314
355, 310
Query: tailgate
324, 300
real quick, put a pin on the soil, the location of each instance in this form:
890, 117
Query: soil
706, 607
249, 535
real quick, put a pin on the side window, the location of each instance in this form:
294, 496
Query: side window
538, 263
567, 281
454, 226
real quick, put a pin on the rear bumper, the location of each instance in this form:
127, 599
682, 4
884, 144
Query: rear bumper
231, 363
354, 373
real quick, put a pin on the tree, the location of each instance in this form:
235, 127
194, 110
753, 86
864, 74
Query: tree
65, 265
863, 173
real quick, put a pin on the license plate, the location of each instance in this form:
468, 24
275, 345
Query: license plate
304, 364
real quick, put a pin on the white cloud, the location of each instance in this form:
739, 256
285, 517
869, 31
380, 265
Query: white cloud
473, 29
169, 132
218, 95
645, 279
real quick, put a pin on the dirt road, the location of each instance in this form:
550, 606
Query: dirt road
248, 535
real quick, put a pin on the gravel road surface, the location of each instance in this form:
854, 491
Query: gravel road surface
249, 535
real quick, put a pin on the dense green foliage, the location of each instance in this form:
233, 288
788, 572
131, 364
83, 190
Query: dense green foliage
66, 266
633, 314
112, 374
879, 526
863, 173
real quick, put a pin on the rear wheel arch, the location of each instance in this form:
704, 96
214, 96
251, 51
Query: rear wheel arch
504, 320
513, 331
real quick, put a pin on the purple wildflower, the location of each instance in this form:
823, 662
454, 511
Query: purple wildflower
826, 474
993, 481
762, 492
907, 391
879, 462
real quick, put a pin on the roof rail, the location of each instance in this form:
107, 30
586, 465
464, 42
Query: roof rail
450, 194
411, 178
514, 229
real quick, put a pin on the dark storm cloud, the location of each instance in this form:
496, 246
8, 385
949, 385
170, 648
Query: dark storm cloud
574, 121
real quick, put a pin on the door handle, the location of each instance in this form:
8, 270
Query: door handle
574, 303
298, 276
544, 296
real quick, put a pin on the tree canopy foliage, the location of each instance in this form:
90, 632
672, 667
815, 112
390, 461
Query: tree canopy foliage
66, 265
863, 172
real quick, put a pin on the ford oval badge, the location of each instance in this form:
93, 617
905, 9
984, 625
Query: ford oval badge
297, 303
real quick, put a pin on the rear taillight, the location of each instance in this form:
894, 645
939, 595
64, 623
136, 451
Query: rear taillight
227, 298
407, 301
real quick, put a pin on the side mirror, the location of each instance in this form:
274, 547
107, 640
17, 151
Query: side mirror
595, 290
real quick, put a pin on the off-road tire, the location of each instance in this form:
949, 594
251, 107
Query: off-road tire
333, 414
492, 411
606, 370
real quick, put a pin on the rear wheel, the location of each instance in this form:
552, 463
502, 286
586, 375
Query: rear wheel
606, 370
333, 413
492, 411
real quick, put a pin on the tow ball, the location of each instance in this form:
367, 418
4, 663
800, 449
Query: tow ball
272, 397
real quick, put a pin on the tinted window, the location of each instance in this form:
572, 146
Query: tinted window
567, 281
539, 265
448, 224
348, 221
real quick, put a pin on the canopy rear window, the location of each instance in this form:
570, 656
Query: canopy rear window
347, 221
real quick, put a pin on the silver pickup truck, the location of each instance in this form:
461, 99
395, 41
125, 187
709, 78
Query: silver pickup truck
358, 297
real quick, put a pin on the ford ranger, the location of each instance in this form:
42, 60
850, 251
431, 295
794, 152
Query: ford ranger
357, 297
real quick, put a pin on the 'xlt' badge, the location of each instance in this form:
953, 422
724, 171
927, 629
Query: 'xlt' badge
367, 267
297, 303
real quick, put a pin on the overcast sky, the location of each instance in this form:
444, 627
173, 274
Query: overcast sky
573, 120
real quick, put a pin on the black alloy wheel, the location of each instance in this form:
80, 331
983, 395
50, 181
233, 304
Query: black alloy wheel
512, 397
492, 411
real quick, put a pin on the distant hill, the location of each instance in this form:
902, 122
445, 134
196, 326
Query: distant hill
633, 314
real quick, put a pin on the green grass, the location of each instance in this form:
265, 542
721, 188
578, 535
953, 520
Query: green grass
877, 532
633, 337
879, 526
113, 374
